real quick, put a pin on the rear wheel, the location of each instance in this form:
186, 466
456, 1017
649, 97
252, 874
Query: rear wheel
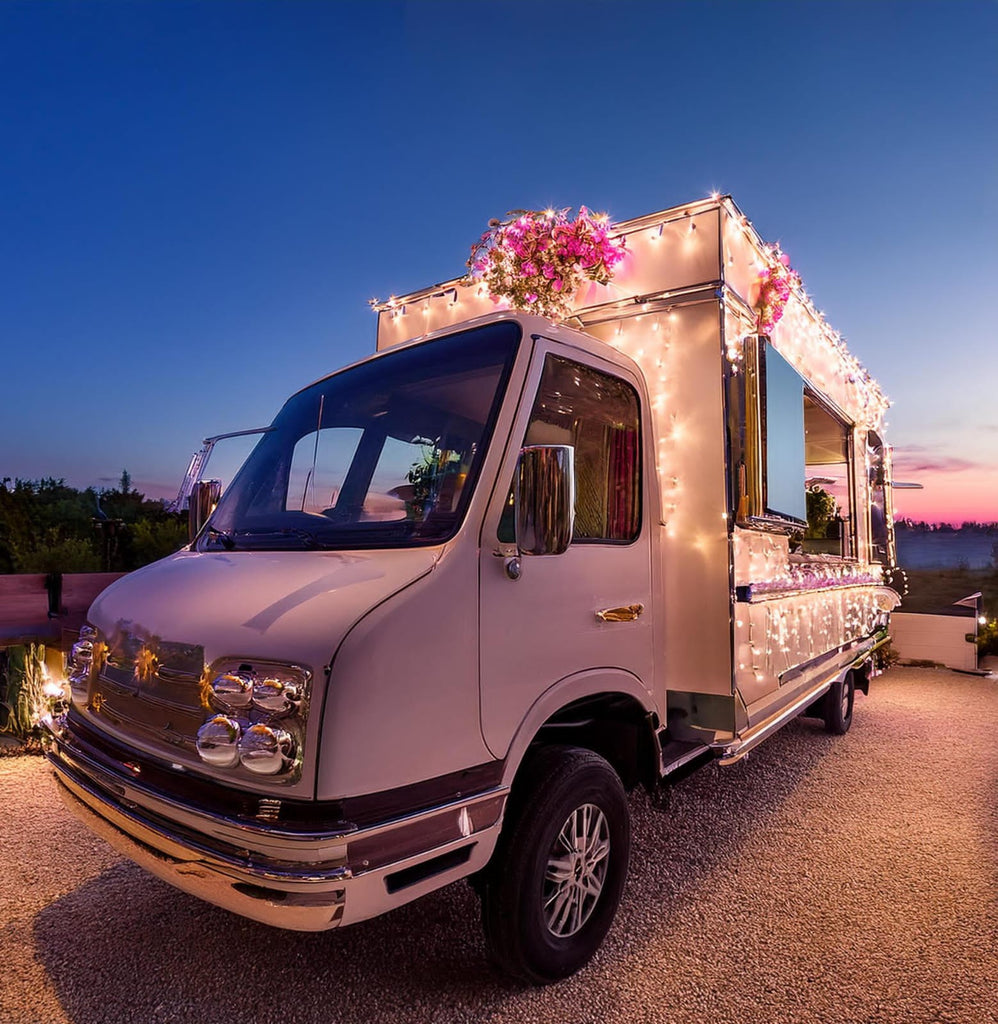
839, 703
552, 889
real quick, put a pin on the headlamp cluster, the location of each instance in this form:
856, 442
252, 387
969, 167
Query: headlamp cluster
258, 720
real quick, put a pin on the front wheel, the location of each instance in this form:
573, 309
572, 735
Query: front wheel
838, 705
552, 889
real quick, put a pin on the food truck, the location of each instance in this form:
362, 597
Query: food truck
466, 593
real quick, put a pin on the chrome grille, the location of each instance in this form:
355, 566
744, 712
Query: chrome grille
148, 685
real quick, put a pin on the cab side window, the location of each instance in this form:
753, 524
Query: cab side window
598, 415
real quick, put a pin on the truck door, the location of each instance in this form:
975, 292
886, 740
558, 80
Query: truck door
543, 627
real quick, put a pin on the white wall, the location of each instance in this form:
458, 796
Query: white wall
935, 638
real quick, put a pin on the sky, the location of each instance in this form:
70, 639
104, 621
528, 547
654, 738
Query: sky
198, 199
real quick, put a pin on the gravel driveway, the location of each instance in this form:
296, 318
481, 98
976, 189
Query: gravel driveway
824, 879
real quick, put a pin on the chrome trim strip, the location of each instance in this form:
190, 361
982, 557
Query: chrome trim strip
116, 807
90, 766
690, 755
120, 817
59, 753
736, 751
753, 737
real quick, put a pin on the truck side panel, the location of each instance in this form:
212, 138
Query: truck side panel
680, 352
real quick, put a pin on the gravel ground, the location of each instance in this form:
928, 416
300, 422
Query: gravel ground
824, 879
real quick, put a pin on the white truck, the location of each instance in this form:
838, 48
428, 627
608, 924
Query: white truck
466, 593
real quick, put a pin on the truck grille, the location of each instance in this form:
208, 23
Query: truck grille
143, 684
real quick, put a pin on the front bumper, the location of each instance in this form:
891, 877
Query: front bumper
302, 880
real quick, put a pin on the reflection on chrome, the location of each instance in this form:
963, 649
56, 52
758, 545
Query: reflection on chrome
218, 742
265, 749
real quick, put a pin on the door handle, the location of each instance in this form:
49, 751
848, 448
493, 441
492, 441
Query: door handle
626, 613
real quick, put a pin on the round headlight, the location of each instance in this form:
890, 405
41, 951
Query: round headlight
274, 695
233, 689
266, 750
218, 742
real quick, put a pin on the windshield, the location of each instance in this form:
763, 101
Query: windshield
383, 454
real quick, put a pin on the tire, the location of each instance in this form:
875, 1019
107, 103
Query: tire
839, 704
567, 817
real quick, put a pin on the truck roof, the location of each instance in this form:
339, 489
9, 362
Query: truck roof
703, 249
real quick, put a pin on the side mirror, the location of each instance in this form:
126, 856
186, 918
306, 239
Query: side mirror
203, 499
544, 499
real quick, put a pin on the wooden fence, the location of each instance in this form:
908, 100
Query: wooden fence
47, 609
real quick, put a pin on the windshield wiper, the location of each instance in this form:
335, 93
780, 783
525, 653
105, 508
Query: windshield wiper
225, 539
307, 538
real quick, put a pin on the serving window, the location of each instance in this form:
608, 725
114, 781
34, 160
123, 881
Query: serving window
790, 457
829, 494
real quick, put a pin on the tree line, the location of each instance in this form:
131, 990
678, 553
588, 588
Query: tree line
48, 526
920, 526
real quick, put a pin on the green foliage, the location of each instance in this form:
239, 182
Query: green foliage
887, 656
21, 682
821, 510
987, 638
47, 526
56, 553
154, 539
426, 476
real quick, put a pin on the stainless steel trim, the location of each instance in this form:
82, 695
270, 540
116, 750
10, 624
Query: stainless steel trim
678, 763
754, 736
59, 754
114, 797
140, 830
736, 751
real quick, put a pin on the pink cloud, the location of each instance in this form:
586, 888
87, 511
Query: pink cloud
915, 459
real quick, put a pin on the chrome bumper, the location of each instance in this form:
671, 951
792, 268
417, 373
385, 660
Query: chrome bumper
305, 881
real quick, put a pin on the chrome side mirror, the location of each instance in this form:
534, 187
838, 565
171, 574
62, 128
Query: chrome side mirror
544, 499
203, 499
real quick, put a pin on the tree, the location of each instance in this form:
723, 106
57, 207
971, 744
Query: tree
47, 526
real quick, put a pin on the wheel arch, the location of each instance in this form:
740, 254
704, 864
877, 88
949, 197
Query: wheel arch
607, 711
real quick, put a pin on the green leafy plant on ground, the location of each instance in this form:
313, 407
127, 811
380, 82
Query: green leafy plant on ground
887, 657
22, 677
987, 638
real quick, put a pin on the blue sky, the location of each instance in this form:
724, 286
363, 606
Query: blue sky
199, 199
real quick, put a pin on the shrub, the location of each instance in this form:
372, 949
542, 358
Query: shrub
21, 696
987, 638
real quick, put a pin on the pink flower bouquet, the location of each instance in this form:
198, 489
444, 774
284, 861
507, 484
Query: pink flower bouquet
536, 261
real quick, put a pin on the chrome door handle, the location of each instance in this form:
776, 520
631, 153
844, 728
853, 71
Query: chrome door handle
626, 613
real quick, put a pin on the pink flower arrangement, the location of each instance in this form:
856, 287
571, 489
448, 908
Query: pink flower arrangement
536, 261
775, 284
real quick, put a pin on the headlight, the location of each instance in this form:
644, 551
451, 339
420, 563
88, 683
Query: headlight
266, 749
233, 690
218, 742
256, 717
275, 695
